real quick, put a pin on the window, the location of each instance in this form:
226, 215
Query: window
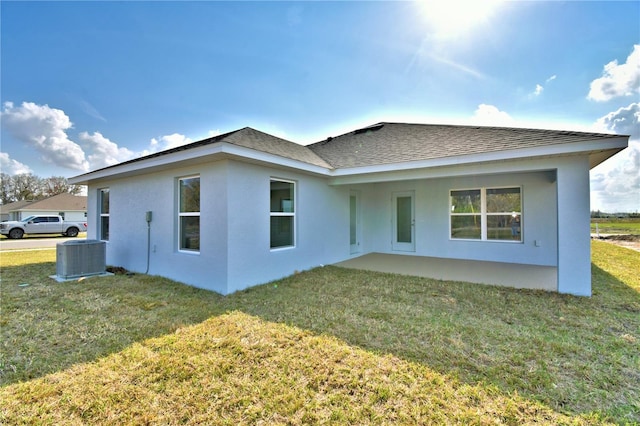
103, 227
487, 214
189, 213
282, 213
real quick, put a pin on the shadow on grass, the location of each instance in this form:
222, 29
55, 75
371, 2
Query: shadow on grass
575, 355
48, 326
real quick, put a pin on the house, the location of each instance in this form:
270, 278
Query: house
244, 208
70, 207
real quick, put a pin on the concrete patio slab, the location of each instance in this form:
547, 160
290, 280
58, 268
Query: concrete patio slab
494, 273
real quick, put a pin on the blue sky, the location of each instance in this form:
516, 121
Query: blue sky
88, 84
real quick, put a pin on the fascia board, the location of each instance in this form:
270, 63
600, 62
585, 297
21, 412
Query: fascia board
466, 169
614, 145
273, 160
194, 156
146, 165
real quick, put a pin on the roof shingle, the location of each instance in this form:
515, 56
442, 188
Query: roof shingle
387, 143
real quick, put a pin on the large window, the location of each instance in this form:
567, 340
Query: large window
189, 213
488, 214
103, 228
283, 213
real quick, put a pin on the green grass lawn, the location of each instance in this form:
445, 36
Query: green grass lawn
616, 226
325, 346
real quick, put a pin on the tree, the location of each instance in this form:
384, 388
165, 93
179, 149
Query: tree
58, 185
6, 188
30, 187
27, 187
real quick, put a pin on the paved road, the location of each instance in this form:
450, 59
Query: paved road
32, 243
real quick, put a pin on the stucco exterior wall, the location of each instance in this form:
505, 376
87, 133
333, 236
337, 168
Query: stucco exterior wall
555, 218
322, 225
235, 248
574, 241
431, 197
127, 246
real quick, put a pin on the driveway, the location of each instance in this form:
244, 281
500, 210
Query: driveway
33, 243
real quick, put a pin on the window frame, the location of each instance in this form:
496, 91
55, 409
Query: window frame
292, 214
484, 214
181, 214
102, 214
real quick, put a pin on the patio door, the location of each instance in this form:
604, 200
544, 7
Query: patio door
403, 222
354, 221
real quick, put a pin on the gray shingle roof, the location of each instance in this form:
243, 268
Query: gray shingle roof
254, 139
60, 202
247, 138
387, 143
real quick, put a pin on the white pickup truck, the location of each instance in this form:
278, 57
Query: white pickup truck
42, 224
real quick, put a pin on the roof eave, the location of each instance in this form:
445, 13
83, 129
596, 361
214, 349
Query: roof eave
446, 166
597, 150
194, 156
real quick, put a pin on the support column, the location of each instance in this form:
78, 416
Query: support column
574, 241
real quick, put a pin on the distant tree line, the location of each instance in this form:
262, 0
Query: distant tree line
597, 214
28, 187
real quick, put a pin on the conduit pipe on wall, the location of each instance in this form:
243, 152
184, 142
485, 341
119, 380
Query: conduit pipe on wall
148, 218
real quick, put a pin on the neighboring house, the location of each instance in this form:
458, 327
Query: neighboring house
70, 207
245, 207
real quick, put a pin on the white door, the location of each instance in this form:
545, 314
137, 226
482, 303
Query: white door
354, 221
403, 222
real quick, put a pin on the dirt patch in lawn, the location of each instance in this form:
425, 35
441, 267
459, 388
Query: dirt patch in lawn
624, 240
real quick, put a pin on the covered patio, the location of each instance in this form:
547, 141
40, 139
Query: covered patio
473, 271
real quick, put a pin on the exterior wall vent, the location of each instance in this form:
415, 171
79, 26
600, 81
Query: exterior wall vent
80, 258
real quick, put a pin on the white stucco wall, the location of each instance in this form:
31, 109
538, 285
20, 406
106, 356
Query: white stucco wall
555, 218
235, 223
574, 241
235, 248
322, 226
127, 246
432, 219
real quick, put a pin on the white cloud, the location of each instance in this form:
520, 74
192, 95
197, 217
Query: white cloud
618, 80
615, 184
165, 142
44, 129
104, 152
550, 79
12, 167
538, 90
623, 121
489, 115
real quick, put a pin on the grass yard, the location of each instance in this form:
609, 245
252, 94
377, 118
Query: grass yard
616, 226
325, 346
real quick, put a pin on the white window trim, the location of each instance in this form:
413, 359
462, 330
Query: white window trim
185, 214
483, 215
285, 214
101, 192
